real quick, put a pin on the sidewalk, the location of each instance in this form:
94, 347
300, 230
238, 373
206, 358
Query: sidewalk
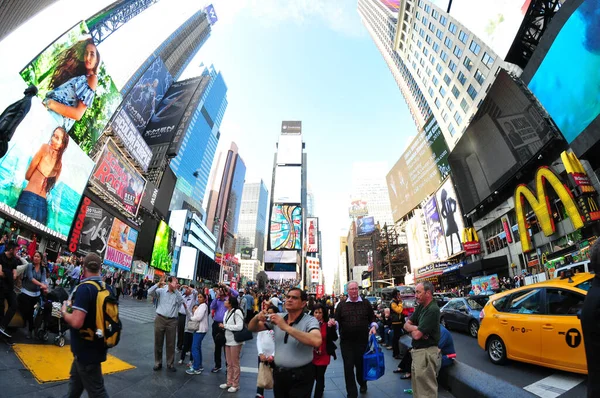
136, 347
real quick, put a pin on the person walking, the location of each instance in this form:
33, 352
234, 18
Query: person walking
590, 324
424, 328
165, 324
356, 320
296, 335
8, 274
34, 283
396, 314
80, 313
233, 322
322, 355
218, 309
201, 316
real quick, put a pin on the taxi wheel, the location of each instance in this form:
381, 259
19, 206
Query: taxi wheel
473, 328
496, 350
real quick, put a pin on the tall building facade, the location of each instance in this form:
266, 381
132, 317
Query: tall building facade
253, 219
13, 13
178, 49
193, 163
369, 185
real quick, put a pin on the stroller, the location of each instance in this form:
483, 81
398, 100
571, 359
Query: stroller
47, 316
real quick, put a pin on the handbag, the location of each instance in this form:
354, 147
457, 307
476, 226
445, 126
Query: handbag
373, 361
242, 335
265, 376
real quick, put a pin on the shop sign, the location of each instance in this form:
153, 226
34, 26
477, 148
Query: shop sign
431, 267
320, 291
472, 248
470, 241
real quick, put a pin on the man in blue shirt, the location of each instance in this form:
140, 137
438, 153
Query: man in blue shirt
80, 313
249, 306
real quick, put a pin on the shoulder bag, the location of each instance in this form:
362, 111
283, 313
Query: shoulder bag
241, 335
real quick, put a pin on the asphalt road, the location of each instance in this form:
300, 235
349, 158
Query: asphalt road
517, 373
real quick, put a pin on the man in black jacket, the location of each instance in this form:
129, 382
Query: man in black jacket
8, 274
590, 324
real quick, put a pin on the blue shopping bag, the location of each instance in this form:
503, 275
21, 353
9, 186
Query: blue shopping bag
373, 361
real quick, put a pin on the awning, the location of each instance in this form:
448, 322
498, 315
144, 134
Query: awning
484, 264
453, 268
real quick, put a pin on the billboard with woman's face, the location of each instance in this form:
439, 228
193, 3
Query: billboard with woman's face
43, 173
74, 85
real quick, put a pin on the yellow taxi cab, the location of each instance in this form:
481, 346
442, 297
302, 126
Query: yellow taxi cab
537, 324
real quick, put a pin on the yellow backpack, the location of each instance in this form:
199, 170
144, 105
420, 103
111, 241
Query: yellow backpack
108, 325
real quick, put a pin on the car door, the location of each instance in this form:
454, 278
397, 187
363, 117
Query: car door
562, 338
520, 326
449, 314
462, 317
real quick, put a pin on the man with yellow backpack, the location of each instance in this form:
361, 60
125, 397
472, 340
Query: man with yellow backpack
93, 315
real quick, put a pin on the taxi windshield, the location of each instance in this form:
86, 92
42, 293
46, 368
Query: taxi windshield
585, 285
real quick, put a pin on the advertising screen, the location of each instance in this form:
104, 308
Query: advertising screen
289, 149
286, 227
143, 249
42, 177
291, 127
177, 220
451, 216
416, 239
278, 256
312, 234
358, 208
485, 284
186, 267
506, 133
164, 244
435, 231
365, 225
288, 184
91, 229
74, 85
212, 15
121, 245
280, 267
578, 104
420, 170
116, 177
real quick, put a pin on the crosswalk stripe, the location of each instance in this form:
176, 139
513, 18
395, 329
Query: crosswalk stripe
553, 386
248, 369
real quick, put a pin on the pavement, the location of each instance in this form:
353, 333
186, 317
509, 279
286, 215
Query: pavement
136, 348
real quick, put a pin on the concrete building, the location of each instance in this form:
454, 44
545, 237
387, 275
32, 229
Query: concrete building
369, 184
249, 269
253, 219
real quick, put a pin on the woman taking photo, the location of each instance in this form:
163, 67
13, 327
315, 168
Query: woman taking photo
233, 321
34, 283
321, 355
201, 316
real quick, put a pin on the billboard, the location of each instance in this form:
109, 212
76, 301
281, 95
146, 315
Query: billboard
312, 234
164, 244
279, 256
165, 191
419, 171
314, 269
506, 133
121, 245
288, 184
435, 231
289, 149
117, 178
286, 227
91, 229
577, 106
358, 208
291, 127
76, 89
484, 284
42, 174
365, 225
211, 14
392, 5
186, 266
452, 216
246, 253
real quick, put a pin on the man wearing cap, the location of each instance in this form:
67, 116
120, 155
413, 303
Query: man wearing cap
80, 313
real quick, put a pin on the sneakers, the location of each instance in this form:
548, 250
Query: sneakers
3, 331
233, 389
224, 386
363, 388
259, 396
192, 371
215, 369
180, 362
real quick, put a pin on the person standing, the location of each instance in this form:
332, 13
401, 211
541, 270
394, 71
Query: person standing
8, 275
590, 324
249, 306
446, 347
34, 283
165, 324
322, 355
396, 314
233, 321
218, 309
80, 313
296, 336
75, 274
182, 317
424, 327
356, 320
200, 316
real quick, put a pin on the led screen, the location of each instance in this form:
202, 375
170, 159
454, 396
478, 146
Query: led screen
121, 245
75, 86
289, 149
186, 266
288, 184
578, 82
365, 225
164, 244
286, 227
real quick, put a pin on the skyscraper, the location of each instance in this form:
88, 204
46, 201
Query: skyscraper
253, 219
369, 185
13, 13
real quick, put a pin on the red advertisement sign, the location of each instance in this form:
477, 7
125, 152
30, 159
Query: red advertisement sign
320, 291
506, 230
472, 248
78, 226
234, 285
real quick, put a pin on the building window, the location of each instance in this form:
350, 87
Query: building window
439, 68
419, 44
451, 130
435, 81
487, 60
474, 47
444, 56
462, 78
455, 91
471, 91
464, 105
427, 8
436, 47
462, 36
450, 104
468, 63
447, 79
443, 20
418, 14
448, 42
430, 91
458, 118
480, 77
438, 103
425, 51
432, 26
424, 20
428, 39
457, 51
439, 34
422, 62
432, 59
452, 66
428, 71
420, 3
417, 55
435, 14
442, 91
452, 28
444, 115
421, 32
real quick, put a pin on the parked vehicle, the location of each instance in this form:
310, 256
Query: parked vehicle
461, 313
443, 298
374, 301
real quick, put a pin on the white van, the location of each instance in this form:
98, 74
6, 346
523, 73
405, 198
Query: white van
582, 266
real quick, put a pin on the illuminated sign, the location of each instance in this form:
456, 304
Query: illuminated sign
470, 241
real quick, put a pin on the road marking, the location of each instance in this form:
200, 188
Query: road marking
553, 386
248, 369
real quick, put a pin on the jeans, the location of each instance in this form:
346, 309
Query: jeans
388, 335
26, 307
88, 378
33, 206
197, 350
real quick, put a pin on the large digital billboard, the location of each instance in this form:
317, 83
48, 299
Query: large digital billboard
121, 245
312, 234
42, 174
91, 229
164, 244
435, 231
288, 184
570, 68
419, 171
289, 149
74, 85
451, 216
286, 227
117, 178
365, 225
186, 266
506, 133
